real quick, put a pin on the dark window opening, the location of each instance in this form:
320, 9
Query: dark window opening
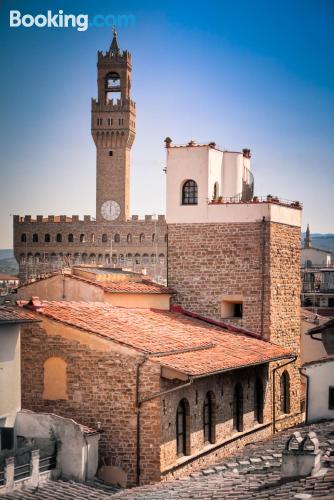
110, 152
181, 428
104, 238
285, 392
331, 398
207, 419
117, 238
189, 193
35, 238
7, 438
47, 238
82, 238
59, 238
258, 401
23, 238
237, 310
238, 408
70, 238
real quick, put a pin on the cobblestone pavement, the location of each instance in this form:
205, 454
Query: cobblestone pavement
254, 473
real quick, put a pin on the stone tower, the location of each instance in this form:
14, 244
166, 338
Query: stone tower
113, 130
308, 239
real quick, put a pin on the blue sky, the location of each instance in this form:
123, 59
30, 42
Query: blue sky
243, 73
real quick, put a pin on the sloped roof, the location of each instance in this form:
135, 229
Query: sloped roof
11, 314
172, 339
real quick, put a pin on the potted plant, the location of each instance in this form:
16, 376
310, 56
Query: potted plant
269, 198
220, 199
255, 199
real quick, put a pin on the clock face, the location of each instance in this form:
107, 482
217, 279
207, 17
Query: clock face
110, 210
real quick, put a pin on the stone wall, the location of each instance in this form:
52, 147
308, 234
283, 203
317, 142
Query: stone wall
135, 244
101, 390
259, 261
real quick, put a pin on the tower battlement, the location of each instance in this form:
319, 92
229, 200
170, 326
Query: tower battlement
121, 57
111, 105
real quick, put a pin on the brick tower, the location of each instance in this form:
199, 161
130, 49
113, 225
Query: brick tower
231, 256
113, 131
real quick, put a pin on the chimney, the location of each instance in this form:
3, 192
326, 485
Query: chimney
34, 304
301, 457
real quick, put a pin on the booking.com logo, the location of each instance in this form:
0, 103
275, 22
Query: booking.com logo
60, 20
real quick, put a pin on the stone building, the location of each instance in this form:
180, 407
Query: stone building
169, 392
233, 258
114, 238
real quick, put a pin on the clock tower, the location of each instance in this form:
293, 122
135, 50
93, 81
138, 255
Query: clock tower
113, 130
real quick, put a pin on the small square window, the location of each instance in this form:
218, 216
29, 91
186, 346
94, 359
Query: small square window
231, 307
110, 152
6, 438
331, 397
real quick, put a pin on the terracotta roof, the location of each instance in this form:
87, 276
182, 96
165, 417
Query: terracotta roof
142, 286
4, 276
171, 339
11, 314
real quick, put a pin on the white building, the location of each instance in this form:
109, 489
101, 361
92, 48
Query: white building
312, 256
320, 392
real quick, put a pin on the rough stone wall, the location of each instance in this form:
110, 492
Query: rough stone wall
256, 260
101, 387
222, 389
36, 258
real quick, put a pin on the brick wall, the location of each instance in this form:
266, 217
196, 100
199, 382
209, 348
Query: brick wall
258, 260
101, 387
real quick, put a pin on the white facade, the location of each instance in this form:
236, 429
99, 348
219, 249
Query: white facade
316, 257
10, 373
320, 379
206, 166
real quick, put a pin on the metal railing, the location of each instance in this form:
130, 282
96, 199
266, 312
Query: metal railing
22, 471
48, 463
2, 477
258, 199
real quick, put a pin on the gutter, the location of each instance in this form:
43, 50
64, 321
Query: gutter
274, 391
307, 393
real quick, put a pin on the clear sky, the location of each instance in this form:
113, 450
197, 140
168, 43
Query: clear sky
242, 73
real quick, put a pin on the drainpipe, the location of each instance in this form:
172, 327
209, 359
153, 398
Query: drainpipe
139, 403
263, 244
274, 391
307, 392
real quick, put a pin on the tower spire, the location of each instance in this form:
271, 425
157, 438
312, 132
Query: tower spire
307, 239
114, 44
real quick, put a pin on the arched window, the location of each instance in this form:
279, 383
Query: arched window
285, 392
258, 401
142, 238
104, 238
107, 258
146, 259
117, 238
189, 193
238, 408
82, 238
92, 258
84, 258
153, 258
37, 257
209, 418
121, 260
23, 238
35, 238
70, 238
112, 80
100, 258
129, 238
215, 190
22, 258
59, 238
182, 428
47, 238
55, 379
161, 259
129, 259
154, 238
137, 258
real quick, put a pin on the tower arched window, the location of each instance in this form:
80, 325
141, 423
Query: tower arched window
285, 392
146, 259
258, 401
154, 238
142, 238
47, 238
189, 193
104, 238
59, 238
82, 238
215, 190
35, 238
182, 428
209, 418
23, 238
238, 408
117, 238
70, 238
129, 238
